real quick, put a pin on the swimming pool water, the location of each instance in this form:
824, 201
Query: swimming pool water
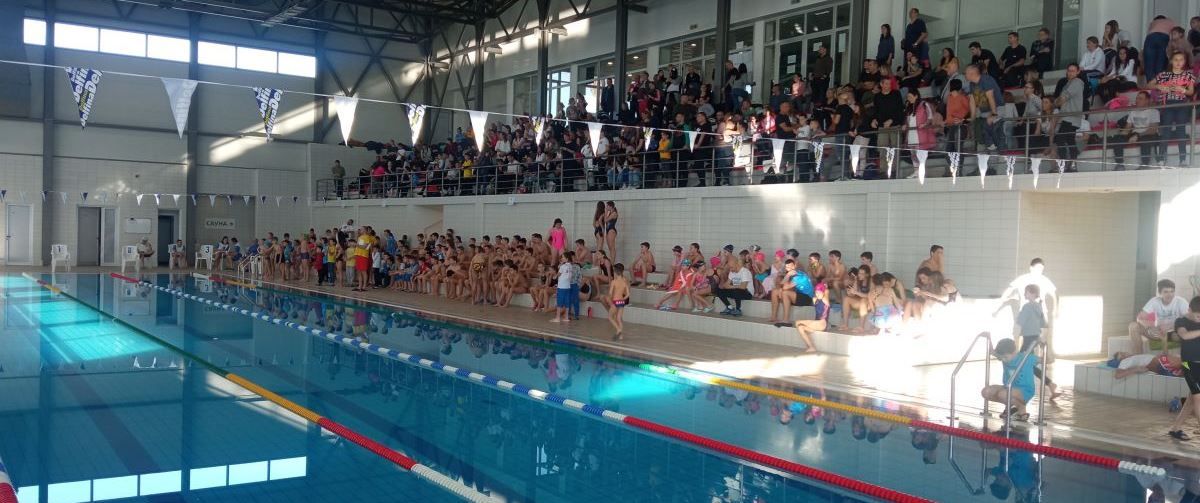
93, 410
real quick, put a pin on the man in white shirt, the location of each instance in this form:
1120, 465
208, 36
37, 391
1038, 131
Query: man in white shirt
1157, 318
1141, 129
1092, 61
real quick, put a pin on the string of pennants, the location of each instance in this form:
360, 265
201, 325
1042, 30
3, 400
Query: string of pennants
159, 199
85, 83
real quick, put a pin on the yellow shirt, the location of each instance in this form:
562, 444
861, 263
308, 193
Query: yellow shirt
364, 246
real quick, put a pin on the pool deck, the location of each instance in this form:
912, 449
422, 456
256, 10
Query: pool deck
1118, 426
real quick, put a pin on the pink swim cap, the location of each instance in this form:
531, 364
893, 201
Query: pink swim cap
715, 261
779, 254
760, 256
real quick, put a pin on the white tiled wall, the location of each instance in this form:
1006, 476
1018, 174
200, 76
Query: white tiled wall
1087, 243
22, 173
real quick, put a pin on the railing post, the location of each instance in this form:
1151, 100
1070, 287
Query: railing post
1104, 145
1192, 137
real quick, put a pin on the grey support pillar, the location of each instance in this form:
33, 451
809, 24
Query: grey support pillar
320, 102
1052, 19
543, 58
192, 171
722, 51
622, 47
49, 77
480, 56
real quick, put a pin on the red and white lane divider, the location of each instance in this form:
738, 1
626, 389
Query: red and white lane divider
8, 493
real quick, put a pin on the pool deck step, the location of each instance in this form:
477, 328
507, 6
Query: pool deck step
1098, 378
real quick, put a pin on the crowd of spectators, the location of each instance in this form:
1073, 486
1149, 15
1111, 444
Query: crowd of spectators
900, 98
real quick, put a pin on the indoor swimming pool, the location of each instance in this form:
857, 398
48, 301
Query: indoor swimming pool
118, 390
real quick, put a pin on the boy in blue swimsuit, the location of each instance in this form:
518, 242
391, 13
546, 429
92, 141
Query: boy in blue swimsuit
1022, 380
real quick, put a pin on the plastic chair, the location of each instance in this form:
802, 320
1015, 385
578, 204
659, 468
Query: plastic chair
205, 254
129, 254
59, 254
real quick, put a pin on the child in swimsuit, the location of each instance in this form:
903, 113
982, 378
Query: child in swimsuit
887, 313
558, 238
618, 291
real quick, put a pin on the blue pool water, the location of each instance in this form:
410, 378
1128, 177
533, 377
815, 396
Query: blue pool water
94, 410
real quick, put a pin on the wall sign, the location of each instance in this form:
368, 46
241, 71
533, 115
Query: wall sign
137, 225
220, 223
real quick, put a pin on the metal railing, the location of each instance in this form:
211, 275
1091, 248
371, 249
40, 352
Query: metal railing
718, 165
972, 488
987, 379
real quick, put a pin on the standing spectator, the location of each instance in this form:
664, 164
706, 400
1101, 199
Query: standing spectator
919, 132
985, 60
339, 177
987, 97
1176, 85
916, 36
886, 51
607, 98
1188, 329
1070, 105
1114, 38
819, 74
1012, 61
889, 115
1179, 43
1193, 35
1154, 50
1042, 52
958, 108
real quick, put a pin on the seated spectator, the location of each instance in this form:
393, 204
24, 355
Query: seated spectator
1092, 62
1042, 52
178, 256
819, 321
1157, 318
985, 60
1141, 129
144, 250
914, 72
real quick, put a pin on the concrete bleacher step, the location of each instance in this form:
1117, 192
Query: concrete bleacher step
1098, 378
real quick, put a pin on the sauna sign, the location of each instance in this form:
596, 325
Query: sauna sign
220, 223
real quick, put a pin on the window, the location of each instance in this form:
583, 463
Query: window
168, 48
126, 43
73, 36
298, 65
741, 38
989, 21
635, 61
217, 54
257, 60
558, 90
35, 32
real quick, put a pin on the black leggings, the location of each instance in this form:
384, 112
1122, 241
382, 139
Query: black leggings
1026, 344
737, 294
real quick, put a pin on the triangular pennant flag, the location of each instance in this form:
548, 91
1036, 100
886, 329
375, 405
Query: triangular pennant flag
176, 198
922, 156
777, 153
83, 196
44, 194
539, 127
478, 126
246, 199
854, 153
262, 199
63, 196
268, 107
139, 199
1062, 168
1035, 164
3, 193
179, 94
346, 107
736, 142
104, 197
983, 167
648, 136
295, 199
416, 120
157, 201
193, 197
229, 199
212, 200
818, 154
955, 158
594, 130
22, 194
1010, 163
84, 83
277, 200
890, 153
691, 137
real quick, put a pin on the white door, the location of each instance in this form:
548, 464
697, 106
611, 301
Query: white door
108, 237
18, 234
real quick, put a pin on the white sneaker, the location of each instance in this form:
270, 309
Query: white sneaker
991, 148
914, 175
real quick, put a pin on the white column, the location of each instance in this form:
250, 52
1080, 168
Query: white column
508, 96
762, 86
652, 63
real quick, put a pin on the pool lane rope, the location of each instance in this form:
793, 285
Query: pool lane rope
1126, 467
421, 471
8, 493
660, 429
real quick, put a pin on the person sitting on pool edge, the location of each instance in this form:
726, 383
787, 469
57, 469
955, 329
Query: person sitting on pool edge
1157, 317
1022, 380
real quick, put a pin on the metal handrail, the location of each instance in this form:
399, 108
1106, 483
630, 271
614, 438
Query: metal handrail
1041, 392
975, 491
987, 376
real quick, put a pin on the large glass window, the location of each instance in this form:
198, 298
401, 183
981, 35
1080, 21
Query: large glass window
298, 65
800, 35
257, 60
169, 48
73, 36
524, 88
126, 43
957, 23
558, 90
217, 54
35, 32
